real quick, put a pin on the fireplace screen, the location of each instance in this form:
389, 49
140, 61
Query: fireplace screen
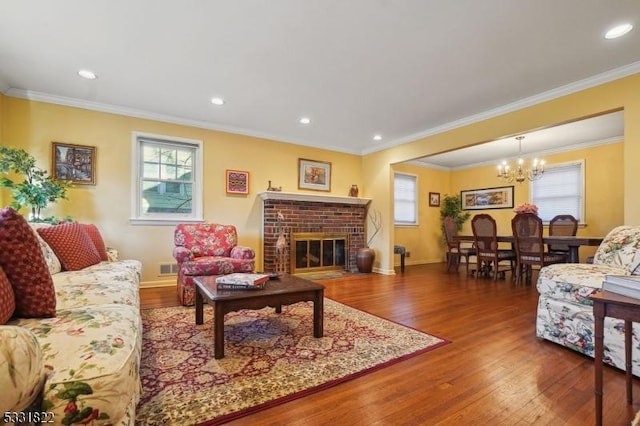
316, 251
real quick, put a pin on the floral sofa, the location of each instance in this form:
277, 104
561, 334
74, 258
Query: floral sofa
565, 312
207, 249
77, 364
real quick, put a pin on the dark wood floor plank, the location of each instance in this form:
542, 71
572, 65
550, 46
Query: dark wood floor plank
495, 371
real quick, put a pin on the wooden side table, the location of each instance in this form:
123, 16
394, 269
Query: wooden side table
607, 304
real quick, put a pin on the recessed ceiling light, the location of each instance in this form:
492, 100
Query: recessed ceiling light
618, 31
377, 138
305, 120
217, 101
89, 75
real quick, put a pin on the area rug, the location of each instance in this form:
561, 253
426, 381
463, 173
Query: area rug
269, 359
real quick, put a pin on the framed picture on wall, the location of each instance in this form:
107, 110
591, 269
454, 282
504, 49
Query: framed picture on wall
487, 198
75, 163
434, 199
314, 175
237, 182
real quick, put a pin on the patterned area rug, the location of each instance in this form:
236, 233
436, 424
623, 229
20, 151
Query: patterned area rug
269, 359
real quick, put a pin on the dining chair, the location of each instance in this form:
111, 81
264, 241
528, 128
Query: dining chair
563, 225
530, 247
455, 250
488, 253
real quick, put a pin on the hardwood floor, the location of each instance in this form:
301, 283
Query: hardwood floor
495, 371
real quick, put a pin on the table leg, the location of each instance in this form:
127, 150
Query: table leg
598, 313
318, 314
218, 330
628, 329
574, 254
199, 307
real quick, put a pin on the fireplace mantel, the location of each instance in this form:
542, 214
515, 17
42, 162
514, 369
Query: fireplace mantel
297, 196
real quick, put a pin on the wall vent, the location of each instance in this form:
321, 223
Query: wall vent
168, 269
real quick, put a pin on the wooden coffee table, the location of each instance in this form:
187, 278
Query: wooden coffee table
285, 290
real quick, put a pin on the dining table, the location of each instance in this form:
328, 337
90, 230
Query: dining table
573, 242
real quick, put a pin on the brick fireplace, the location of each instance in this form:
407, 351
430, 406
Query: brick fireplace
306, 213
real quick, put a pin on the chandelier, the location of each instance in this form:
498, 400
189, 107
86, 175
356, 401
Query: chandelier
520, 173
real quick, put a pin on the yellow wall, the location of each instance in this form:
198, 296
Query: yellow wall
378, 170
424, 241
34, 125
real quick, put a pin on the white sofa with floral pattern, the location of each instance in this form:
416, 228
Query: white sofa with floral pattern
565, 312
81, 366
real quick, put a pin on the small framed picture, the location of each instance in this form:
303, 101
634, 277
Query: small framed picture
434, 199
237, 182
75, 163
314, 175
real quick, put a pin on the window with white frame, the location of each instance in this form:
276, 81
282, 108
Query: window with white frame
560, 191
405, 199
167, 179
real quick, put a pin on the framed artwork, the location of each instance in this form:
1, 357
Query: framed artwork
75, 163
434, 199
487, 198
237, 182
314, 175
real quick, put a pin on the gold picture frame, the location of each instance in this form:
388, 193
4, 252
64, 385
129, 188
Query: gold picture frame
74, 163
237, 182
315, 175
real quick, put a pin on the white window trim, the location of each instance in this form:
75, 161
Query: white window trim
137, 218
415, 204
581, 162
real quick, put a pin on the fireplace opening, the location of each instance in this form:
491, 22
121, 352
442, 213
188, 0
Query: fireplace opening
318, 251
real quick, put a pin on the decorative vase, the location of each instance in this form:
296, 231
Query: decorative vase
364, 259
353, 192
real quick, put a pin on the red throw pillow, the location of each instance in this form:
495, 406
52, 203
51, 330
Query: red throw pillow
96, 238
23, 263
7, 299
71, 243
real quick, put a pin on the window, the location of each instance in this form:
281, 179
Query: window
560, 191
405, 196
167, 179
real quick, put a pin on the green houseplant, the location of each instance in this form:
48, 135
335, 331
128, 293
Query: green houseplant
452, 207
36, 190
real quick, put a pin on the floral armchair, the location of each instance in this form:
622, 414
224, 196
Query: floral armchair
565, 312
207, 249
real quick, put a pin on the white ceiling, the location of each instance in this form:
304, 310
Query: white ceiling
401, 69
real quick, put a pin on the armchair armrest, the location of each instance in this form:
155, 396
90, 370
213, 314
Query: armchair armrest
182, 254
242, 252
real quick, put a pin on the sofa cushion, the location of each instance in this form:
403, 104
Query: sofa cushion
71, 244
23, 373
96, 351
7, 299
24, 265
53, 263
94, 233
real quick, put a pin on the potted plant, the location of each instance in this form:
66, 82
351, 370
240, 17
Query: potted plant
36, 190
452, 207
366, 255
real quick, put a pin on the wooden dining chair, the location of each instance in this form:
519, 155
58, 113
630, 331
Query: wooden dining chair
488, 253
563, 225
455, 251
530, 247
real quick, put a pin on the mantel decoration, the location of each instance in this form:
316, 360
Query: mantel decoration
526, 208
37, 189
520, 173
366, 255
